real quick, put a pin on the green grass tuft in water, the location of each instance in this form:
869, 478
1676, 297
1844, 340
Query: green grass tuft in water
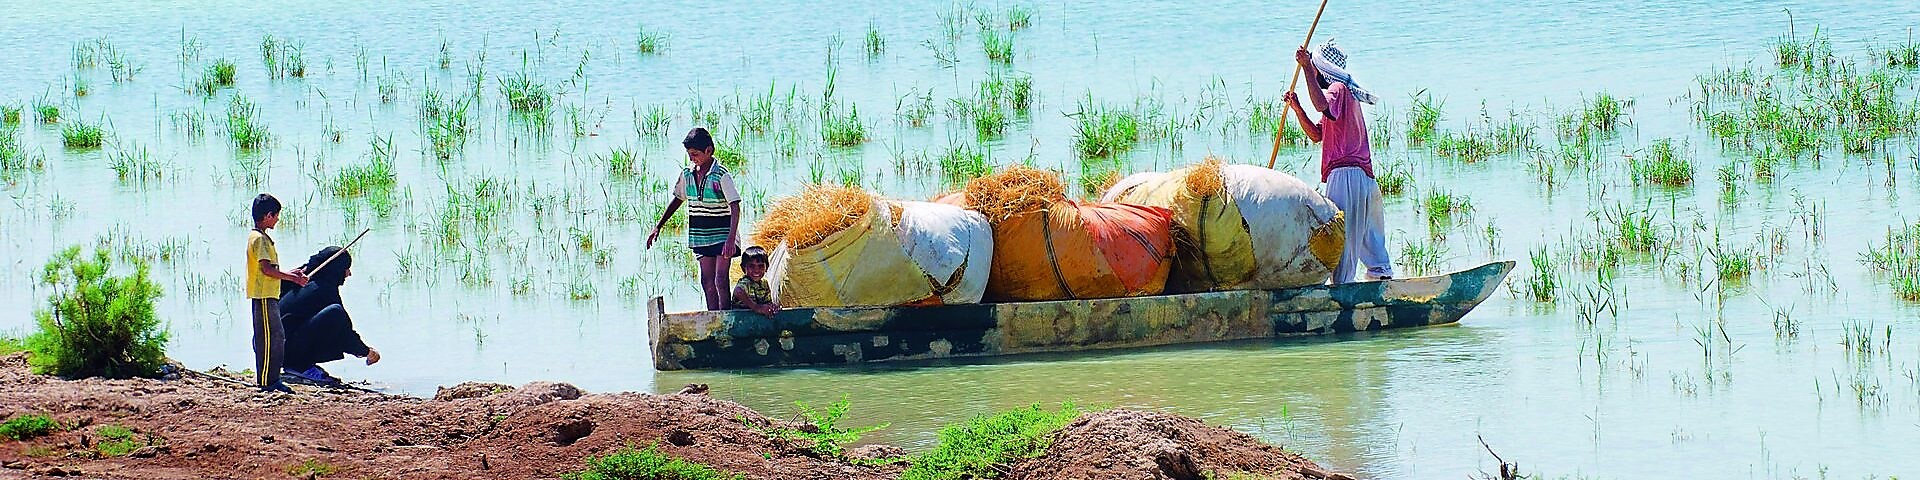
1898, 257
1423, 117
1661, 163
80, 134
998, 46
244, 127
1104, 130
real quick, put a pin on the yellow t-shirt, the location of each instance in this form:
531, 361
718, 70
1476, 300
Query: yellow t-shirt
260, 247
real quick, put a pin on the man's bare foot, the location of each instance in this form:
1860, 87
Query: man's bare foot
373, 356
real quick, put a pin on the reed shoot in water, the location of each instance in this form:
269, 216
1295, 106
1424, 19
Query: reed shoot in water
1103, 130
1662, 164
244, 126
1423, 117
80, 134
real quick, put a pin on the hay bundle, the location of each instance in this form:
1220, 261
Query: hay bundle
1204, 179
807, 218
1016, 190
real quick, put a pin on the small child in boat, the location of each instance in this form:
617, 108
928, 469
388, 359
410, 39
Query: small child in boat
752, 291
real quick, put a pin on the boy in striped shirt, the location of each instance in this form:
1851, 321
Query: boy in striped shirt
713, 216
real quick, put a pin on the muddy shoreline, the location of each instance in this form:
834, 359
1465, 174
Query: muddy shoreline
198, 426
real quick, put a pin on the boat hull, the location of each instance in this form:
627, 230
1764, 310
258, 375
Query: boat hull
832, 336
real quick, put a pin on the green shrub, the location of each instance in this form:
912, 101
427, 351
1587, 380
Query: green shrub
983, 445
26, 427
97, 324
10, 345
629, 463
823, 432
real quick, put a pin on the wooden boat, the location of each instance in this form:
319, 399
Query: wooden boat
829, 336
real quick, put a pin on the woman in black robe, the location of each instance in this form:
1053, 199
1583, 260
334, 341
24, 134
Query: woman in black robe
317, 325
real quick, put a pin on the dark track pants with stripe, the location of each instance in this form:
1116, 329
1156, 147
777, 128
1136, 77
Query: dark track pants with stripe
269, 341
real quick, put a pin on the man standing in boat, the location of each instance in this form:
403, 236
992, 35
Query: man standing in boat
1346, 160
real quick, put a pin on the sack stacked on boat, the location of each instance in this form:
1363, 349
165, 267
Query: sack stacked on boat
1047, 247
842, 247
1241, 226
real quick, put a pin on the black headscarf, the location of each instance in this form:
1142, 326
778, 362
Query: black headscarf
299, 304
336, 272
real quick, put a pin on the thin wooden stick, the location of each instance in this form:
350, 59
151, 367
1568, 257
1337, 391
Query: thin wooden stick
336, 253
1281, 133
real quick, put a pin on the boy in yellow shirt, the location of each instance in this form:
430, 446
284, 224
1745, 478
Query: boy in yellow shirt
263, 295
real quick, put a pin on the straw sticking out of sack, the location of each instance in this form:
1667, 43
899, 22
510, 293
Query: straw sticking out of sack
1016, 190
809, 217
1205, 180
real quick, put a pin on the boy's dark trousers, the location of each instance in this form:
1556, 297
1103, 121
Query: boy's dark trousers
269, 340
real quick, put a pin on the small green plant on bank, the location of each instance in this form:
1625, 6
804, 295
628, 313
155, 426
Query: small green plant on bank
119, 441
96, 323
629, 463
10, 345
10, 114
1662, 164
311, 468
983, 445
26, 427
822, 433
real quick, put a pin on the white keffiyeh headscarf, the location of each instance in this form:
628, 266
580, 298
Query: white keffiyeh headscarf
1332, 64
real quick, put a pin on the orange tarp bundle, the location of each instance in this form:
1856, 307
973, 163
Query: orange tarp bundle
1052, 248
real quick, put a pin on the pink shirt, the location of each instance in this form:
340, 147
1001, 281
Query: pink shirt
1343, 134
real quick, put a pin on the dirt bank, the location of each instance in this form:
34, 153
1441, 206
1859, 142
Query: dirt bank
196, 427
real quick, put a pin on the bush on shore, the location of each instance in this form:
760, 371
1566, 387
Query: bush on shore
97, 323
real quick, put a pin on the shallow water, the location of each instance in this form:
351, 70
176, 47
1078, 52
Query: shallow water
497, 304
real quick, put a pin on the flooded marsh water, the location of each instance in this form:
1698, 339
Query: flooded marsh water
1717, 324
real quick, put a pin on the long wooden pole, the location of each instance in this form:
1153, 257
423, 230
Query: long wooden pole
336, 253
1280, 134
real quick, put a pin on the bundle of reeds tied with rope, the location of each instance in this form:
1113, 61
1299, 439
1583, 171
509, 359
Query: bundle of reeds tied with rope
1048, 247
1241, 226
840, 246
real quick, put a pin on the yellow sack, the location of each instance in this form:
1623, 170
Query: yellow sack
863, 265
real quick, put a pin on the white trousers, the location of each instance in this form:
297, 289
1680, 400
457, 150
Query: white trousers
1358, 196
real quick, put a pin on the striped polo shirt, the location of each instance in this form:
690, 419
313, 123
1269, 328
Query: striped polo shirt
708, 217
